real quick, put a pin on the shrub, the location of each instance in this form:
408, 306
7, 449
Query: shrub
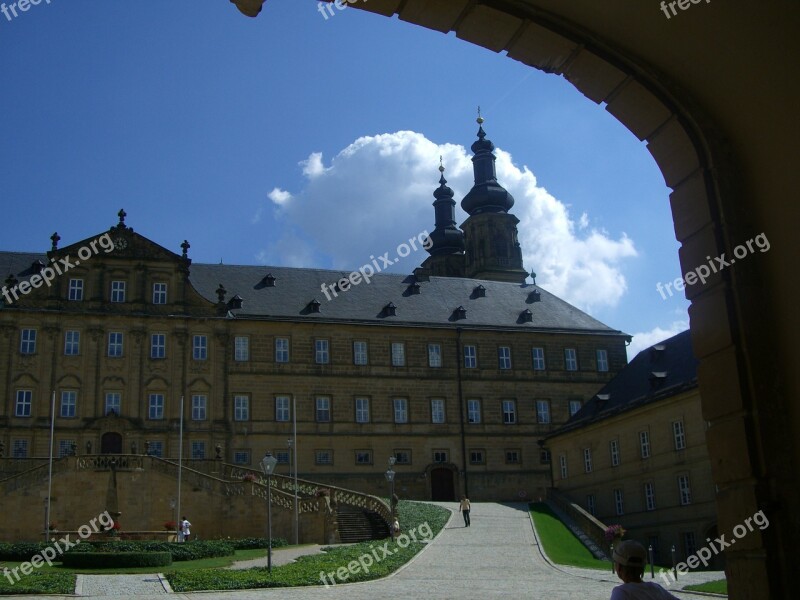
257, 543
189, 551
115, 560
21, 551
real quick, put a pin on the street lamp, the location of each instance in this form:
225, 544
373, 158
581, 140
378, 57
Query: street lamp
652, 571
674, 570
390, 479
290, 442
268, 466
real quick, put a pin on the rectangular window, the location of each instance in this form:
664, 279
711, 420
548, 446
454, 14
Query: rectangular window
591, 506
323, 457
538, 359
198, 450
434, 355
158, 345
27, 341
398, 354
402, 457
400, 410
574, 406
570, 359
689, 544
282, 410
542, 411
72, 343
241, 348
512, 457
644, 444
118, 291
20, 449
544, 457
437, 410
440, 456
281, 350
199, 407
619, 505
474, 410
241, 457
323, 409
562, 462
155, 405
602, 361
504, 357
282, 456
115, 344
75, 293
159, 293
65, 448
22, 407
587, 460
363, 457
321, 352
509, 412
69, 404
649, 496
470, 357
199, 347
360, 355
679, 435
684, 490
113, 403
155, 448
613, 448
477, 457
362, 410
241, 408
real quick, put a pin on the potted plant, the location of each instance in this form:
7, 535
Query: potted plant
614, 533
249, 477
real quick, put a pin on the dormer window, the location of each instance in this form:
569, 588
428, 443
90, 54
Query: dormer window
526, 316
480, 292
657, 378
535, 296
414, 289
390, 310
460, 313
37, 266
235, 303
313, 306
268, 280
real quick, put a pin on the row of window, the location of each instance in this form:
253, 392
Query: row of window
322, 353
678, 439
117, 291
649, 495
322, 408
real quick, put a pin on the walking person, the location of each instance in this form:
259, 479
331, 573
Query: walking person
630, 558
464, 507
185, 525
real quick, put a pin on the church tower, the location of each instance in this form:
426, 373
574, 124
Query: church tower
447, 241
492, 248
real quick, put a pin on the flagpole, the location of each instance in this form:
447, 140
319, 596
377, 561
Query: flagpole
179, 522
50, 469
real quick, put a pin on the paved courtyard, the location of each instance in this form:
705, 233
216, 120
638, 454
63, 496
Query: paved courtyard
497, 557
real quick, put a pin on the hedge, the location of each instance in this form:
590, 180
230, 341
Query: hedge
114, 560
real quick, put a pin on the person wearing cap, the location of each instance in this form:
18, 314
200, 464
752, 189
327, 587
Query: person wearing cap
630, 558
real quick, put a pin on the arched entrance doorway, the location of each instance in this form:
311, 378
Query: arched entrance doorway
111, 443
443, 487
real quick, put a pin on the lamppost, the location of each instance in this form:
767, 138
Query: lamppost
390, 479
172, 504
674, 570
652, 571
268, 466
290, 443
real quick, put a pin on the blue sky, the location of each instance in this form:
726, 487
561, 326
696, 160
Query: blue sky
298, 140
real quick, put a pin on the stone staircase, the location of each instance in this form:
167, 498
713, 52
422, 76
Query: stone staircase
360, 525
558, 503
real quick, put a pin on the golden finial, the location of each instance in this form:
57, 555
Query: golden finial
441, 165
480, 118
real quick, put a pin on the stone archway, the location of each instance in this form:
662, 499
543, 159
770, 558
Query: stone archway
443, 484
111, 443
746, 375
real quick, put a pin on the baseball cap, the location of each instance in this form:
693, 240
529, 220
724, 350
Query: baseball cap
630, 553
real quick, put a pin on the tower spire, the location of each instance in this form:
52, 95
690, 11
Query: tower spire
486, 196
446, 238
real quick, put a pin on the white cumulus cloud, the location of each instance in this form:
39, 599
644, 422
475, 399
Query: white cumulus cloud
377, 193
645, 339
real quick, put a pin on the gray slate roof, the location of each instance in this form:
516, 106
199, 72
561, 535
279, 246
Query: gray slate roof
659, 372
434, 306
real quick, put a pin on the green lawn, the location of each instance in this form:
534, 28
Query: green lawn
560, 544
719, 586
